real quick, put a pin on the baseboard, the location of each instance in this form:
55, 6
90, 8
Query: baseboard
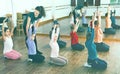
81, 37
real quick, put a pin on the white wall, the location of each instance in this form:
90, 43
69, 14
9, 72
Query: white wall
103, 8
59, 8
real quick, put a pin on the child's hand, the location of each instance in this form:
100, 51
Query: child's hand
77, 20
32, 37
5, 20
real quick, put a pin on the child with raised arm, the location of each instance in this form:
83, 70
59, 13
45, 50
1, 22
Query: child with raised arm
55, 58
113, 19
61, 43
8, 51
108, 27
32, 52
74, 37
84, 12
93, 61
100, 45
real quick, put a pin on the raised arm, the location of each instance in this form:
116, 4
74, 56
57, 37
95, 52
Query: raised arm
76, 25
3, 33
57, 31
99, 18
12, 25
53, 33
108, 11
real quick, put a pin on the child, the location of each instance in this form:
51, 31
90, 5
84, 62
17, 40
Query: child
75, 15
54, 56
83, 12
74, 37
32, 52
108, 28
112, 17
93, 61
61, 43
100, 46
8, 51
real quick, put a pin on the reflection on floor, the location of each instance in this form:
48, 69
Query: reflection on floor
76, 59
65, 28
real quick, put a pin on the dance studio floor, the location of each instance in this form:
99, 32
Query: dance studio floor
76, 58
74, 66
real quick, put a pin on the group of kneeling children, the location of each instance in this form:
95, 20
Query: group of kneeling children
94, 41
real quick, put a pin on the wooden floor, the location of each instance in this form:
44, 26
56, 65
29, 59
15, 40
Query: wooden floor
74, 66
76, 58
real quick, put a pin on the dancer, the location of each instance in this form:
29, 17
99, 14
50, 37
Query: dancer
54, 56
108, 28
113, 19
100, 45
93, 61
61, 43
32, 52
8, 51
84, 12
74, 37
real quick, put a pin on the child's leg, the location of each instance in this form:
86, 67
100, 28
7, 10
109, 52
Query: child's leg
78, 47
63, 58
38, 52
61, 43
17, 53
57, 61
37, 58
12, 55
105, 47
99, 64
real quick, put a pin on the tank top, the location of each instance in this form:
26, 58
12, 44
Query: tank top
8, 45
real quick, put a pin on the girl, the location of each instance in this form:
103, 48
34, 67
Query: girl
112, 17
54, 56
8, 44
83, 12
61, 43
108, 28
32, 52
74, 37
100, 46
93, 61
33, 17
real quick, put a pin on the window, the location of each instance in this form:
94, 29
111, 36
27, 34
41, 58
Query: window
115, 2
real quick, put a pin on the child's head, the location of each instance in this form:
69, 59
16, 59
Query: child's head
55, 22
96, 23
78, 16
106, 14
6, 31
73, 27
112, 14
